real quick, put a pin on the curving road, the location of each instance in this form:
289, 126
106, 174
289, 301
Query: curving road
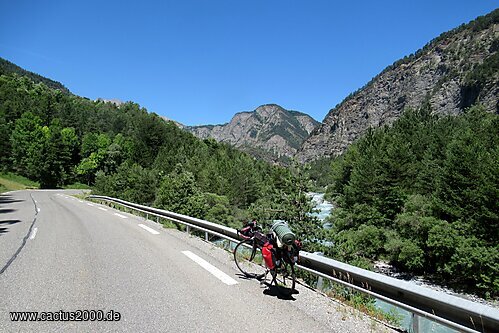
60, 253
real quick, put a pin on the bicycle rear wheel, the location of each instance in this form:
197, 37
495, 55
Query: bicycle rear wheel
249, 259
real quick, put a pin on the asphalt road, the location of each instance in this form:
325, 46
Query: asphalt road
60, 253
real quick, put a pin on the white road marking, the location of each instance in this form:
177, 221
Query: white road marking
88, 203
104, 209
38, 210
33, 233
122, 216
151, 230
210, 268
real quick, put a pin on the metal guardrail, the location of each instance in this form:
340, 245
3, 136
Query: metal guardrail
452, 311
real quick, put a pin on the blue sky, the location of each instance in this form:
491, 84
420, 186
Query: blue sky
200, 62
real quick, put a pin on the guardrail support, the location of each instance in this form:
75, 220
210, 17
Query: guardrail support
320, 282
415, 323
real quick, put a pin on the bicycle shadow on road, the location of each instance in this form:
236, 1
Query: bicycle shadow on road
282, 293
244, 277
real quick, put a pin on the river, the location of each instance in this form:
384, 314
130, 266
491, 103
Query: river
322, 206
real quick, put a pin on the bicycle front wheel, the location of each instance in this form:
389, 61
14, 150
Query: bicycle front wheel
249, 259
285, 277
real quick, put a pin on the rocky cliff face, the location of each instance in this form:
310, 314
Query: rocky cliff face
115, 101
454, 71
269, 132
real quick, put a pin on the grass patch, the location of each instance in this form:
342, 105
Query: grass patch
12, 182
77, 186
82, 196
167, 224
364, 303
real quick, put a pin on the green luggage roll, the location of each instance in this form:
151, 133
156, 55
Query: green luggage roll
285, 235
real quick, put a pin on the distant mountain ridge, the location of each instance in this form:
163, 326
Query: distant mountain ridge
270, 131
6, 67
452, 72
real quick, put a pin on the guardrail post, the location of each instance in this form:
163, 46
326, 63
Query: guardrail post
320, 283
415, 323
206, 236
147, 216
188, 229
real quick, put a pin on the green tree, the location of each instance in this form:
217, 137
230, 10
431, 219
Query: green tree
5, 144
218, 210
59, 152
27, 140
130, 182
468, 185
289, 201
178, 193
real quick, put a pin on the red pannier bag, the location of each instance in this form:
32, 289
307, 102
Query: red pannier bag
268, 255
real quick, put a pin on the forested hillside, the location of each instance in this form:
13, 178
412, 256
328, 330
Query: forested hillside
6, 68
126, 152
422, 194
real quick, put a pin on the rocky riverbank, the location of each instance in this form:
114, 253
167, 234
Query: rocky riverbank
389, 270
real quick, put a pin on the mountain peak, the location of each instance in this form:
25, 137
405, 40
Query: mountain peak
270, 131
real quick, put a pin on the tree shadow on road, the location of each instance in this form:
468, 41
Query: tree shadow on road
7, 199
7, 222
